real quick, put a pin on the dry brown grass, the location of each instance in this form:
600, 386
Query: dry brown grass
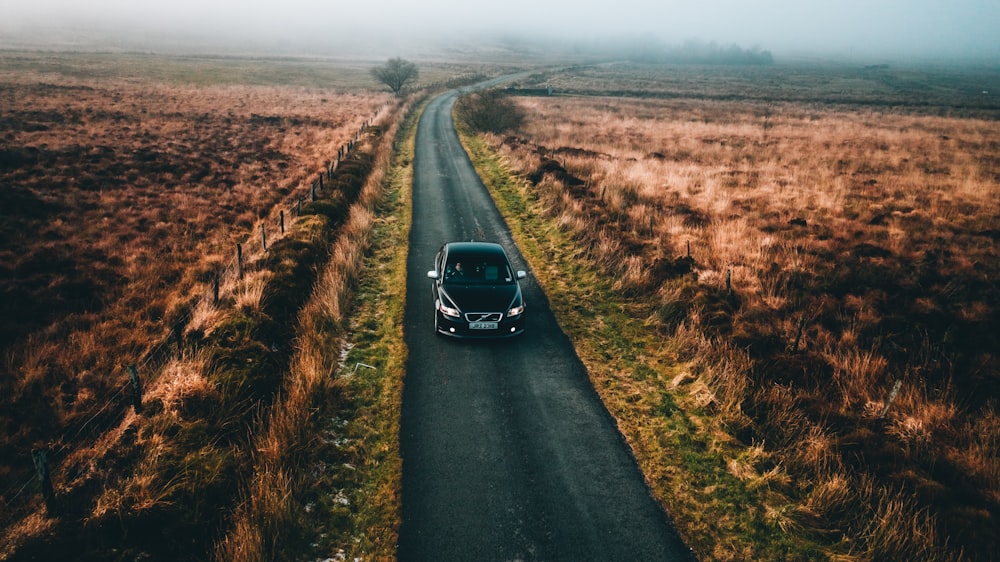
834, 251
121, 201
274, 500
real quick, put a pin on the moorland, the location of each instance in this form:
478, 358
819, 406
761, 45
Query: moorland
138, 194
811, 247
817, 245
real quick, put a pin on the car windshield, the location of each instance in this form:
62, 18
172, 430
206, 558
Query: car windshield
482, 270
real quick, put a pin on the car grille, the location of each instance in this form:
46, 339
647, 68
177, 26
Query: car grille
483, 316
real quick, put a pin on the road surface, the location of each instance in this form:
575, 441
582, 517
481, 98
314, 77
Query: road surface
508, 453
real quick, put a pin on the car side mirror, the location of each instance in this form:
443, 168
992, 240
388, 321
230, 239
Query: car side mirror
433, 274
521, 274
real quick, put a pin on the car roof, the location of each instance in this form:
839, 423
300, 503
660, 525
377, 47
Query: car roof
475, 248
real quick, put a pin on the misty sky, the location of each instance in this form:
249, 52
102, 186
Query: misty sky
938, 28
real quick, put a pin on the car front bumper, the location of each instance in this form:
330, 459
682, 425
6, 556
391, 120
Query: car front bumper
459, 328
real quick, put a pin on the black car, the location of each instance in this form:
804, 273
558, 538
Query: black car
476, 291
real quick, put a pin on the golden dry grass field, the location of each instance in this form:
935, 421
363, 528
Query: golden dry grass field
822, 246
126, 183
818, 244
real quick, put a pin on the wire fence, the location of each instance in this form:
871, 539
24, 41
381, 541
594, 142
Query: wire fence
107, 414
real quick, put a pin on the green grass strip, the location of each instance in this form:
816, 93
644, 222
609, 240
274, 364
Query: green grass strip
373, 370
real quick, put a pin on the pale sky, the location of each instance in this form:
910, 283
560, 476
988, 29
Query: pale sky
937, 28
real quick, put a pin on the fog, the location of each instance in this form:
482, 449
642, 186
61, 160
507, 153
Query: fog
945, 29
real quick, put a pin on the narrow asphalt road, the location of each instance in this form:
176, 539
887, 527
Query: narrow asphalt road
508, 453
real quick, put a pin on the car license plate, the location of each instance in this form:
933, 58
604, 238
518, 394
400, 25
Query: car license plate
483, 325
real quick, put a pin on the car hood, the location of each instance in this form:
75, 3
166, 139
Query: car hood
481, 298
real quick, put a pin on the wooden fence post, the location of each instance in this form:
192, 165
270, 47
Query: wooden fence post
729, 281
239, 260
41, 459
298, 213
281, 221
263, 238
689, 249
178, 332
892, 398
312, 192
321, 181
133, 375
798, 333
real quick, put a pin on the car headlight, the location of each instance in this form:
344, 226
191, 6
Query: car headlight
515, 311
449, 311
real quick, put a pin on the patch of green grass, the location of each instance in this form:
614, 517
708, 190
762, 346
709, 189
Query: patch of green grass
245, 368
366, 501
681, 447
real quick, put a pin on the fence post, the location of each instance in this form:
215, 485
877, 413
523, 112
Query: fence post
312, 192
239, 260
689, 249
133, 375
263, 238
40, 457
281, 221
321, 181
298, 213
178, 331
729, 281
892, 397
798, 334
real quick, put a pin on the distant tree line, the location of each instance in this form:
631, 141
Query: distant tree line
701, 52
652, 49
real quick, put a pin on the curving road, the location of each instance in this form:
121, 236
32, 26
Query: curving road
508, 453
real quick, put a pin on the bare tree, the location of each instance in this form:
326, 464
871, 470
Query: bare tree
396, 73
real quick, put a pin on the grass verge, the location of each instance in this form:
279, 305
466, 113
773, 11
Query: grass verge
729, 501
359, 488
